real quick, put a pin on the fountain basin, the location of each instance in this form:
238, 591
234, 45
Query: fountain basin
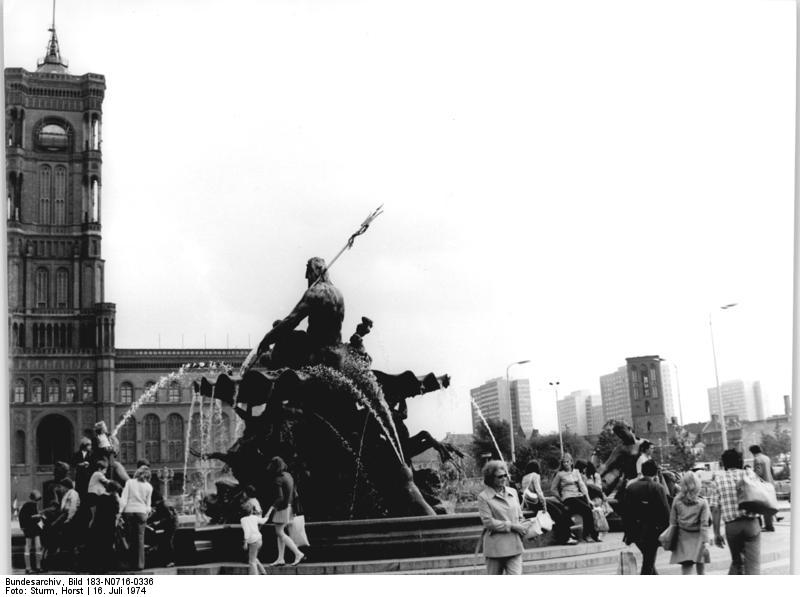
359, 540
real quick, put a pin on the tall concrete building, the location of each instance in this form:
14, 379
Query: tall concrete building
594, 415
740, 398
498, 400
577, 412
65, 372
615, 395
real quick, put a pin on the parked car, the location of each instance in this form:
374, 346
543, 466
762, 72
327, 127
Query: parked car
783, 489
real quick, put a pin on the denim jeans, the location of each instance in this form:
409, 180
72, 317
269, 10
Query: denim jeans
744, 540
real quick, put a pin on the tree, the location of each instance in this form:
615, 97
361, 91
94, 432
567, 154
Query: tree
547, 450
483, 444
776, 443
607, 440
681, 452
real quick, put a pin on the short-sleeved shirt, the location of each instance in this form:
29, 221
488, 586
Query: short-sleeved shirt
724, 496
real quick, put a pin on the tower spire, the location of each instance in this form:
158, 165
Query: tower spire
52, 62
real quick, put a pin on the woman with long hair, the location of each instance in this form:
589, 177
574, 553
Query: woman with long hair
135, 506
692, 515
280, 513
569, 487
533, 496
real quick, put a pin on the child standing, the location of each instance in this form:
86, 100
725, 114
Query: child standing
30, 521
252, 537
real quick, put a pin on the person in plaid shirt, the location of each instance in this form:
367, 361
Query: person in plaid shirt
742, 529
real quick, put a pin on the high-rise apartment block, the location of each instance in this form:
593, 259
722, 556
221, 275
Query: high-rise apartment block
615, 395
740, 398
594, 416
498, 399
577, 412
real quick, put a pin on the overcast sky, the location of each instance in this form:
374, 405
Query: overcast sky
571, 183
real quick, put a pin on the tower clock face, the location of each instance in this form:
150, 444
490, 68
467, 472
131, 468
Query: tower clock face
53, 137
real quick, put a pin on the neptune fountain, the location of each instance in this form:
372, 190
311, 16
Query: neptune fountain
314, 400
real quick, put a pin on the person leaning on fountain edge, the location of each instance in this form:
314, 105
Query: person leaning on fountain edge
323, 305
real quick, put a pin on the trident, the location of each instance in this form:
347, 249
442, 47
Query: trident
349, 244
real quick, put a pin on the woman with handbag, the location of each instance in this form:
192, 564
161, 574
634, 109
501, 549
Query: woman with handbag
532, 494
280, 512
569, 487
503, 523
691, 516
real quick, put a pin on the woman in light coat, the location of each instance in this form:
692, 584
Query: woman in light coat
692, 515
501, 516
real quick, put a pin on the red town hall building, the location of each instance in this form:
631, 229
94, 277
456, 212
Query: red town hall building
65, 372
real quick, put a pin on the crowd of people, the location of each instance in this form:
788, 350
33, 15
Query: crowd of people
678, 512
93, 516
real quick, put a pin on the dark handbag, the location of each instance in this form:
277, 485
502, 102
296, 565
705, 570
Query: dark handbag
669, 538
754, 495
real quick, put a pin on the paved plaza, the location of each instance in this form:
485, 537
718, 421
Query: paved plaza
584, 558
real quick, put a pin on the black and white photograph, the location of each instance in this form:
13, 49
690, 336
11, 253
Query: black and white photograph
351, 287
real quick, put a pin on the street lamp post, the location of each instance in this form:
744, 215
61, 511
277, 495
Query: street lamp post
722, 425
558, 418
511, 404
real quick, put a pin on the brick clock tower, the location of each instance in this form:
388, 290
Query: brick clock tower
61, 332
650, 391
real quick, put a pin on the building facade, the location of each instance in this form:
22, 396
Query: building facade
615, 395
65, 372
497, 399
572, 412
595, 419
739, 398
651, 394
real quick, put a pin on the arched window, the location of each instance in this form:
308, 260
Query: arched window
194, 433
53, 391
95, 200
19, 391
127, 441
44, 195
19, 447
60, 195
150, 391
224, 432
62, 288
71, 390
54, 439
42, 287
125, 393
653, 382
36, 390
87, 390
649, 426
174, 394
13, 286
152, 438
175, 438
647, 407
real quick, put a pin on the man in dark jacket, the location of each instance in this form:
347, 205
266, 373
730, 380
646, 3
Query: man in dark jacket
646, 515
